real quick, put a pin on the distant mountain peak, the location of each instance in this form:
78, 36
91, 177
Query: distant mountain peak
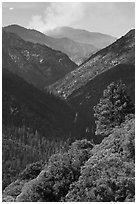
97, 39
67, 28
76, 51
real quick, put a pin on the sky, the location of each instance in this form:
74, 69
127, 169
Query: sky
113, 18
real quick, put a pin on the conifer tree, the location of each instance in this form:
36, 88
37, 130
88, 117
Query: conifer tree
112, 108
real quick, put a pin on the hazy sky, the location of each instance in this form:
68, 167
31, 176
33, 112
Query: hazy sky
110, 18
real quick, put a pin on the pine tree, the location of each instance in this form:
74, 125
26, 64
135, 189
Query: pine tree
112, 108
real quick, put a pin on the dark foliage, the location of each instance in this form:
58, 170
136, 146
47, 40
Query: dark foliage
112, 108
32, 171
23, 104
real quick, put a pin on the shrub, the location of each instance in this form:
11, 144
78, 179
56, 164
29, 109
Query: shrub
109, 174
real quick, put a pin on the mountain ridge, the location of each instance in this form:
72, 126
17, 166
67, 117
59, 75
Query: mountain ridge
121, 51
78, 29
36, 63
75, 50
97, 39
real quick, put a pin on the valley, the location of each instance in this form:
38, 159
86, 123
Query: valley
51, 84
120, 52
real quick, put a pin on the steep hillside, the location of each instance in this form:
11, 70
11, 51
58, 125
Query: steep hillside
77, 51
35, 125
37, 64
98, 40
120, 52
23, 104
86, 97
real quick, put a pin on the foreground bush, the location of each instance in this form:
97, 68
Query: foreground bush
109, 174
54, 181
84, 173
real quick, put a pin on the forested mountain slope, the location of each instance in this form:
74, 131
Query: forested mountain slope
36, 63
86, 97
23, 104
120, 52
75, 50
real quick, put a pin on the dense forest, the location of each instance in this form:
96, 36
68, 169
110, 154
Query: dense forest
32, 125
80, 170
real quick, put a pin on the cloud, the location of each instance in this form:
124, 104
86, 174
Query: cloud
11, 8
58, 14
